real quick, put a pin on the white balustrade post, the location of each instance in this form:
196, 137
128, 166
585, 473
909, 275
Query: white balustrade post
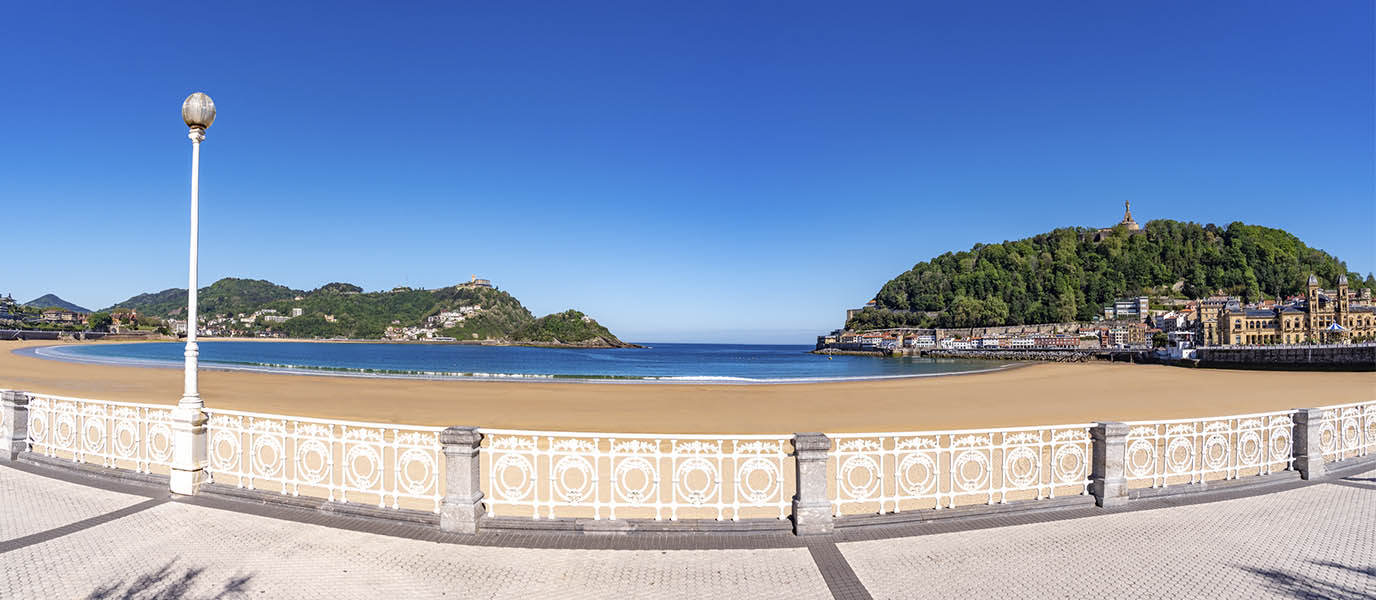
812, 504
1307, 446
1108, 477
14, 424
461, 509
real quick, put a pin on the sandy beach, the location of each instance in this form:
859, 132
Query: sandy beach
1039, 394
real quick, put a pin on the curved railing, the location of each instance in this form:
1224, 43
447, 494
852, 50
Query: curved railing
597, 476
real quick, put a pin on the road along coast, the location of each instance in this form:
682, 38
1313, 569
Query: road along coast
1035, 395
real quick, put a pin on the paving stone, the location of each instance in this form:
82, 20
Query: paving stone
1315, 541
32, 504
67, 540
195, 552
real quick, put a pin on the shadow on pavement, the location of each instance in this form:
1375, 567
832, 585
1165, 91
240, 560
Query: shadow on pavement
1297, 585
168, 583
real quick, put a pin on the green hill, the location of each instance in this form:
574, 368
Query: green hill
1065, 275
343, 310
566, 327
52, 301
228, 295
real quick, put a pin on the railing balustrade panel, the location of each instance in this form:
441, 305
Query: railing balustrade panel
390, 466
892, 472
1348, 431
1184, 451
545, 475
124, 435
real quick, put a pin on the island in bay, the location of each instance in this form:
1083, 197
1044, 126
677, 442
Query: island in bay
473, 312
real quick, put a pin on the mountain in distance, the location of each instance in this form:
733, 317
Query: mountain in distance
1070, 274
52, 301
226, 296
344, 310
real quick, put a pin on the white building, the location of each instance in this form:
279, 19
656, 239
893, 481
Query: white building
1021, 342
1129, 308
1171, 321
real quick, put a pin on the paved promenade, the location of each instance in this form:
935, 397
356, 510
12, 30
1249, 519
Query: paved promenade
63, 536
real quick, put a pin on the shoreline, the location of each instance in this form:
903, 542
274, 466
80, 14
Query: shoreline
170, 338
1038, 394
37, 351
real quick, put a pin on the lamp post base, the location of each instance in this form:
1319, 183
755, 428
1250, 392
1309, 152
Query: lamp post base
188, 472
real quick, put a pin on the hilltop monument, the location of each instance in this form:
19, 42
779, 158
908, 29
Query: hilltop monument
1127, 217
1127, 223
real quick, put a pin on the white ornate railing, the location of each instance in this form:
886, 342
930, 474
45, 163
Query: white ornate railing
1177, 451
342, 461
542, 474
890, 472
545, 474
124, 435
1347, 430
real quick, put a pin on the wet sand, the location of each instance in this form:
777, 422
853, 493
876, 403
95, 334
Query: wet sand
1038, 394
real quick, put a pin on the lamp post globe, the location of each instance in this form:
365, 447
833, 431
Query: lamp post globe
198, 111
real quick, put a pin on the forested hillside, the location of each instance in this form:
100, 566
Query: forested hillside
1065, 276
228, 295
343, 310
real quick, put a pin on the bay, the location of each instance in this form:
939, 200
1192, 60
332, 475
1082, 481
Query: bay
659, 363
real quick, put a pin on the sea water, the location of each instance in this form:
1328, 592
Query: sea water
658, 363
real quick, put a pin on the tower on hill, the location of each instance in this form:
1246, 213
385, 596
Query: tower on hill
1127, 217
1127, 223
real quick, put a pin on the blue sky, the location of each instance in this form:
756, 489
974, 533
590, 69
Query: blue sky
681, 171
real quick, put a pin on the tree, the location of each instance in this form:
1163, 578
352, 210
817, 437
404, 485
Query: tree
1159, 340
99, 321
1065, 275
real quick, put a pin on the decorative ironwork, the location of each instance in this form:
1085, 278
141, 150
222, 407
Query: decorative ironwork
1180, 451
1347, 431
888, 471
123, 435
341, 461
558, 474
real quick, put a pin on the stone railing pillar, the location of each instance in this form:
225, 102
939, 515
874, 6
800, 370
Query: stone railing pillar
189, 451
1308, 442
812, 503
461, 509
1108, 478
14, 424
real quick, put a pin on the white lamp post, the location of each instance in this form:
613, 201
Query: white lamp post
188, 420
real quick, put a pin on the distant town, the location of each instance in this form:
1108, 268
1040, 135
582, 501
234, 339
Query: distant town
1171, 325
1176, 326
35, 317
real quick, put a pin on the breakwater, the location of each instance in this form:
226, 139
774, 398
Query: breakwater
29, 334
41, 334
1065, 356
855, 352
1338, 357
